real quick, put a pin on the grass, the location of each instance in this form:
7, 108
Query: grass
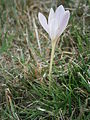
24, 68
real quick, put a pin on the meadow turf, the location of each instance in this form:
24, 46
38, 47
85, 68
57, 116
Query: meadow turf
25, 50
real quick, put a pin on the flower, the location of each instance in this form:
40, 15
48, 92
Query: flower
57, 22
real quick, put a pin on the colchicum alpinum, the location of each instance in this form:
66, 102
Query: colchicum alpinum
56, 24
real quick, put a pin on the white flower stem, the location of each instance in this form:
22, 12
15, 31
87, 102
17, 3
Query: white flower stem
51, 61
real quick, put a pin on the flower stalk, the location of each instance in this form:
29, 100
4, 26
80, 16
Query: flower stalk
51, 61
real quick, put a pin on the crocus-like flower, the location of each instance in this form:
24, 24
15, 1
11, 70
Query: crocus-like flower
57, 22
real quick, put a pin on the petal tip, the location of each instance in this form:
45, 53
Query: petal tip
67, 13
61, 7
39, 14
51, 9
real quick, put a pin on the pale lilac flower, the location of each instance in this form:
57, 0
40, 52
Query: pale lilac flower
57, 22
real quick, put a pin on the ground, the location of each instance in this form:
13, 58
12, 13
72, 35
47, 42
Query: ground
25, 50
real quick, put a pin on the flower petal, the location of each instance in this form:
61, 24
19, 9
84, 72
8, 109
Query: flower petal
51, 29
43, 21
51, 15
63, 23
51, 23
53, 26
59, 13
